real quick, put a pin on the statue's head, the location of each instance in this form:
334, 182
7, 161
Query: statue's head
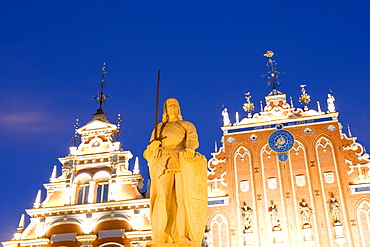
171, 106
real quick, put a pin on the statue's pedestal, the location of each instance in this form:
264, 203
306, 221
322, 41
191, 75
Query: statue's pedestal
339, 236
307, 232
278, 236
248, 238
171, 245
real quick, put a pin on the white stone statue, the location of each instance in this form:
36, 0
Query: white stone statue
305, 212
247, 216
274, 216
334, 209
178, 199
330, 100
225, 116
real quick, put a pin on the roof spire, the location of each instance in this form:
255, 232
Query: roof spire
38, 200
101, 97
21, 223
53, 174
272, 74
261, 105
20, 229
216, 146
136, 166
291, 102
349, 131
319, 107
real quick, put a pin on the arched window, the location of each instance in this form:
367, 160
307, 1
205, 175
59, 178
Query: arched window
111, 245
83, 191
219, 231
102, 190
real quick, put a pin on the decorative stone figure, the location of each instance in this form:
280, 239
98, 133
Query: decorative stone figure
247, 216
306, 213
178, 201
226, 118
274, 216
334, 209
330, 100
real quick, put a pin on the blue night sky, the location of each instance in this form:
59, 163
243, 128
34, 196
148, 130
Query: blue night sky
209, 52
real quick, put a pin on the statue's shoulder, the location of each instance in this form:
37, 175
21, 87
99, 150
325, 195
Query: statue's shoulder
186, 124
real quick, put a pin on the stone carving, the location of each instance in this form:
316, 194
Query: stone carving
246, 217
330, 100
226, 118
178, 202
329, 177
334, 209
274, 216
305, 213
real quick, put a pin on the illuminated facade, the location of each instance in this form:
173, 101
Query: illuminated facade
287, 176
96, 201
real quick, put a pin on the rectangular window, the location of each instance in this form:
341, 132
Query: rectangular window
102, 192
83, 194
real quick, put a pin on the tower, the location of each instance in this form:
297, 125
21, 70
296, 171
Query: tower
288, 176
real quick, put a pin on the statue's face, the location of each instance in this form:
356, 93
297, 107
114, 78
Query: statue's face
172, 108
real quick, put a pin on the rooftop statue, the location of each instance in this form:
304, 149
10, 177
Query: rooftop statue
178, 202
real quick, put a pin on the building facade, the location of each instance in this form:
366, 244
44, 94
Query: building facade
288, 176
96, 201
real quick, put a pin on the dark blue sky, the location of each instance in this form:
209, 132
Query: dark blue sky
209, 54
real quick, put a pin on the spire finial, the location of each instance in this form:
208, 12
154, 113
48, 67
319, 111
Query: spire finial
249, 106
53, 174
101, 96
38, 200
261, 105
349, 131
291, 102
304, 99
272, 74
136, 166
216, 146
20, 229
21, 223
319, 107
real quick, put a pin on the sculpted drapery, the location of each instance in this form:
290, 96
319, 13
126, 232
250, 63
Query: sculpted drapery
178, 180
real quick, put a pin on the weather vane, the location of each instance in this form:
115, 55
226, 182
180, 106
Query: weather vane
272, 73
269, 54
249, 106
101, 85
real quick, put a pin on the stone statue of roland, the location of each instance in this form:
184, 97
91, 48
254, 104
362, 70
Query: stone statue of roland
178, 201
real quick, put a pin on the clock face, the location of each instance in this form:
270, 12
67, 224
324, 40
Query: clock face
95, 144
281, 141
283, 157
